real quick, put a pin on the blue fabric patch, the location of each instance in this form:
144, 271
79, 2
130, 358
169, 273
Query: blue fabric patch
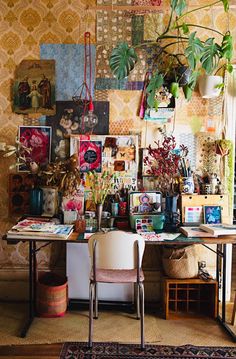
69, 68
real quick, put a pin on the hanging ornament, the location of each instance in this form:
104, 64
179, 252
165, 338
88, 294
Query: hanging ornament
88, 120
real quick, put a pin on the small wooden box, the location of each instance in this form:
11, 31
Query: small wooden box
189, 297
192, 200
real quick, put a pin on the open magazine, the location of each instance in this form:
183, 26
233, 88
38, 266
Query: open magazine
30, 228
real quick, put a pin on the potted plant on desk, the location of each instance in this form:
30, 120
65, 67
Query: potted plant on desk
100, 187
165, 163
193, 55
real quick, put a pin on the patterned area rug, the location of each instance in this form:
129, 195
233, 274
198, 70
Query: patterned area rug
133, 351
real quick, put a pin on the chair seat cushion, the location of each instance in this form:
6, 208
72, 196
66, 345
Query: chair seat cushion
117, 275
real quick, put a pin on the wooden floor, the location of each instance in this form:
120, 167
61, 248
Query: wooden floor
43, 351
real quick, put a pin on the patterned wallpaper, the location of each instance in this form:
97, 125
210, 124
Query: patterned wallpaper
24, 26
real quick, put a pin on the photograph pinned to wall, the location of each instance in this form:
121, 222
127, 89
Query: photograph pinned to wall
146, 168
193, 215
166, 108
67, 122
212, 214
38, 140
34, 87
90, 156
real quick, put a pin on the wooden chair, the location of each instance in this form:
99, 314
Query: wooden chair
116, 257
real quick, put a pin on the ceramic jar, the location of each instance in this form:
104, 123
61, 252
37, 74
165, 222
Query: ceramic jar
187, 185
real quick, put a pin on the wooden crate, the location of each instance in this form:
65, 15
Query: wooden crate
192, 200
189, 297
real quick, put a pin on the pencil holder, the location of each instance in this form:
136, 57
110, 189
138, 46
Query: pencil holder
186, 185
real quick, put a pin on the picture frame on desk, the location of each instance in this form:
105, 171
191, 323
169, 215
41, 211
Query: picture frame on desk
212, 214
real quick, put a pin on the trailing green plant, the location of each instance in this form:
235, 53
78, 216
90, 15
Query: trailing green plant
198, 55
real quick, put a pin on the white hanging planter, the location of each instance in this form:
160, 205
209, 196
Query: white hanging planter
207, 85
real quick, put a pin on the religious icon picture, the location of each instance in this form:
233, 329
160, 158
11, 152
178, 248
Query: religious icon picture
34, 87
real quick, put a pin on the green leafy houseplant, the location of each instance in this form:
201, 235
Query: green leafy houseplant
196, 56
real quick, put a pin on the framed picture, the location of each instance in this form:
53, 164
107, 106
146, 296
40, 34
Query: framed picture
212, 214
34, 87
38, 140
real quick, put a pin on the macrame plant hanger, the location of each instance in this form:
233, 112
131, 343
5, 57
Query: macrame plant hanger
83, 93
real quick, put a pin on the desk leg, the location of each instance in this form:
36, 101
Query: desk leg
32, 286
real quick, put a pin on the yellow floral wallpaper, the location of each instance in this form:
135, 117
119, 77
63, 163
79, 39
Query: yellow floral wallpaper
24, 25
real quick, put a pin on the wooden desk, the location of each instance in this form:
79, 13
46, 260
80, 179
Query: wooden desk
221, 243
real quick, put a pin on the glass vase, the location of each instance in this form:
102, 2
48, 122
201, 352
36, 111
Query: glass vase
36, 201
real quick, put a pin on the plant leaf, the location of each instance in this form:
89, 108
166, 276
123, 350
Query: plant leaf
122, 60
174, 89
155, 83
181, 5
227, 47
187, 92
226, 5
194, 50
193, 80
229, 68
173, 4
185, 28
211, 56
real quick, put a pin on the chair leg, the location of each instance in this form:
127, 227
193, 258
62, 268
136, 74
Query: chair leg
91, 300
141, 287
96, 301
137, 300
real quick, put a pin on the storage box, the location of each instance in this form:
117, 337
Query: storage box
157, 219
146, 205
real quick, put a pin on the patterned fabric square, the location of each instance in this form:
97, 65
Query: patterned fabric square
153, 25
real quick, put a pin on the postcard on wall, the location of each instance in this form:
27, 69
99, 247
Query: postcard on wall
38, 140
90, 156
193, 214
212, 214
34, 87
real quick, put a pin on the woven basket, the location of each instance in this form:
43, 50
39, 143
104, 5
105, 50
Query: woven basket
180, 263
52, 295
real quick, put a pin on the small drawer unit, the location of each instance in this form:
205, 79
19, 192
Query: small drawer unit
189, 297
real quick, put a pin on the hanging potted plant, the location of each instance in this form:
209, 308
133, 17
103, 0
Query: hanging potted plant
194, 56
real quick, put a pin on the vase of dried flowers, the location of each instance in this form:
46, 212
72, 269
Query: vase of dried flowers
100, 185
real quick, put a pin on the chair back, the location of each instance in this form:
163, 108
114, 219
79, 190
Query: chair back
116, 250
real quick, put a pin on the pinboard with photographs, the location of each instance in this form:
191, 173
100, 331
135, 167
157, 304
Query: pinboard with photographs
111, 153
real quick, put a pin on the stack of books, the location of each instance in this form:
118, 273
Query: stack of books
209, 230
40, 229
